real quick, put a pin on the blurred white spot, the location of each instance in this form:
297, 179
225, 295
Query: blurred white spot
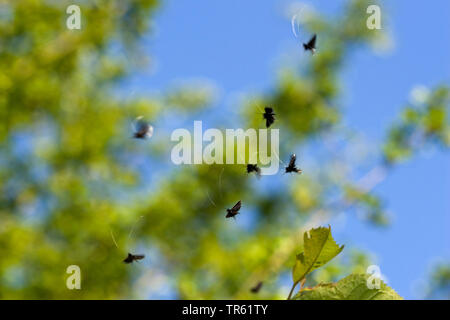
383, 44
419, 94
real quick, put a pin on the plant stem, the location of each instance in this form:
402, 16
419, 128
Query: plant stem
292, 289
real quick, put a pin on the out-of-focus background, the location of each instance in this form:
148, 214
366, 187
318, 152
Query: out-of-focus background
367, 116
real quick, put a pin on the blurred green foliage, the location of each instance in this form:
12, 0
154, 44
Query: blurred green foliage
73, 184
438, 286
426, 121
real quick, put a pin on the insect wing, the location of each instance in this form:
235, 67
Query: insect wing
256, 288
142, 127
149, 133
236, 207
292, 161
312, 42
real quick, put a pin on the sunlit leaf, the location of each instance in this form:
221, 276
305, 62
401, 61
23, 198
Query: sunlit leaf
352, 287
319, 248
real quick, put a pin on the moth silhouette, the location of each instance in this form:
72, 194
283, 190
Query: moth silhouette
292, 167
269, 116
231, 213
256, 288
254, 168
142, 129
133, 257
311, 44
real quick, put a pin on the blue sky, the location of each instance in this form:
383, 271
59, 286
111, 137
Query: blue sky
239, 45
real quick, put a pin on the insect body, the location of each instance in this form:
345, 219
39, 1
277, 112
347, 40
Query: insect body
256, 288
269, 116
254, 168
231, 213
133, 257
311, 44
292, 167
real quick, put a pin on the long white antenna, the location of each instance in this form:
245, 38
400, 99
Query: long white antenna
293, 20
220, 182
132, 228
207, 193
112, 236
276, 155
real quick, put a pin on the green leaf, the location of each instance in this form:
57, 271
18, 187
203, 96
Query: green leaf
319, 248
352, 287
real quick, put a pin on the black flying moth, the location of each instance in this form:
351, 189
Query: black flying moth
256, 288
269, 116
231, 213
142, 129
133, 257
292, 167
254, 168
311, 44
